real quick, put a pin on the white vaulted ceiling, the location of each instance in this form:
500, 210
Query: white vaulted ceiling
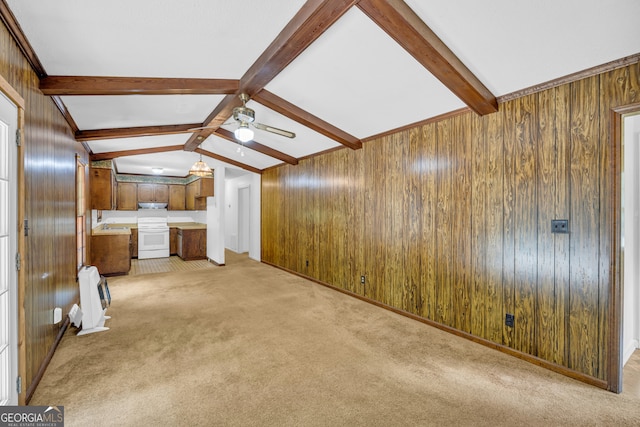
355, 78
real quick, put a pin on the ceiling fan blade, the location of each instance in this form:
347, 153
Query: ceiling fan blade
277, 131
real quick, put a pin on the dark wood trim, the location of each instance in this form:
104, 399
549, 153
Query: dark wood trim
95, 85
434, 119
45, 363
502, 348
293, 112
253, 145
16, 32
115, 154
313, 19
227, 160
98, 134
614, 346
570, 78
397, 19
65, 113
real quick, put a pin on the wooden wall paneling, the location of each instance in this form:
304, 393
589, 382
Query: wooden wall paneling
356, 224
462, 225
412, 299
547, 182
368, 218
376, 225
444, 215
341, 259
428, 240
562, 211
298, 229
267, 212
495, 171
324, 214
508, 221
584, 226
526, 224
479, 214
279, 211
314, 215
49, 201
395, 276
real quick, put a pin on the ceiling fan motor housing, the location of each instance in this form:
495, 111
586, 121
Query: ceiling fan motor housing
244, 115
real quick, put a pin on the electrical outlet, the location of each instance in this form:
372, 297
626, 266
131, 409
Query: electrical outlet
560, 226
362, 280
509, 320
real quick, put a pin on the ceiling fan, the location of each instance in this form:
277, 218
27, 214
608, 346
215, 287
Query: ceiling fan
245, 117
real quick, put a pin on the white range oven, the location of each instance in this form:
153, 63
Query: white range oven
153, 237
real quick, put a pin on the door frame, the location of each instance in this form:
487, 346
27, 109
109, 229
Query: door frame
614, 347
15, 97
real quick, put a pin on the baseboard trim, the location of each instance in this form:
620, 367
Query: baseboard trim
579, 376
45, 363
631, 348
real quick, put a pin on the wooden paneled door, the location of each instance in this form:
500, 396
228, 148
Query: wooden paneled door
8, 251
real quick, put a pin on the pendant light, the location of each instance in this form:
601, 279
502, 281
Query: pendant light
200, 168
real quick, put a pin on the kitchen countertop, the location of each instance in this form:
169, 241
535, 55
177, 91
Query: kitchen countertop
112, 229
188, 225
115, 229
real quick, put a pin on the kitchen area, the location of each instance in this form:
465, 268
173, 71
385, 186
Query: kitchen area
145, 217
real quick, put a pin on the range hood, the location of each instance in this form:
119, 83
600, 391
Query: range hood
152, 205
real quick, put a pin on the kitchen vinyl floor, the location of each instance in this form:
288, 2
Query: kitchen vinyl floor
175, 263
166, 265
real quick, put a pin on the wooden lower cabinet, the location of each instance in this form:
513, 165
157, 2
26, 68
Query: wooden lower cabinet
134, 243
173, 241
192, 244
111, 253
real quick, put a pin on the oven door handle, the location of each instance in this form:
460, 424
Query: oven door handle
148, 231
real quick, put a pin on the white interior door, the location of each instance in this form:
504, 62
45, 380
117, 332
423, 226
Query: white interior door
8, 250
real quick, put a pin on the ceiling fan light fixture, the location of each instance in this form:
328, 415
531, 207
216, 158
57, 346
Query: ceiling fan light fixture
243, 133
200, 168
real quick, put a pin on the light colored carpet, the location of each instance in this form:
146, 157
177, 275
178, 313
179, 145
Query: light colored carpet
248, 344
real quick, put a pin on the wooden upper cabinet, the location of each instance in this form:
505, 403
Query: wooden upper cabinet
102, 186
153, 193
177, 195
127, 196
197, 192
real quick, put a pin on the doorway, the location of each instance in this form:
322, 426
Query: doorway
630, 234
8, 252
244, 222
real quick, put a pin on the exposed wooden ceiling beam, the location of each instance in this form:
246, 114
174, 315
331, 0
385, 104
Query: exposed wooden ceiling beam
223, 133
91, 85
287, 109
98, 134
313, 19
406, 28
227, 160
115, 154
